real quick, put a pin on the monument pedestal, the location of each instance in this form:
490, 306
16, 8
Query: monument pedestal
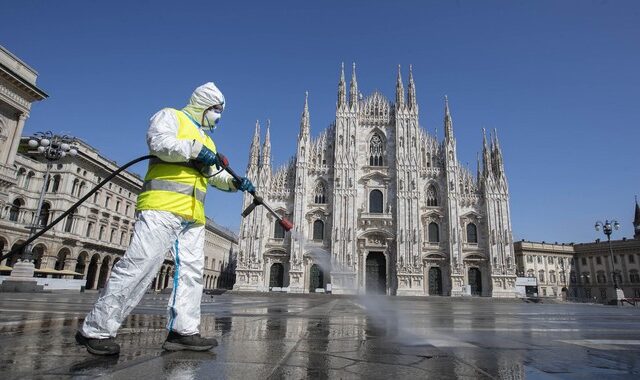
21, 279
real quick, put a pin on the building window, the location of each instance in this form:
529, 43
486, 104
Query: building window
375, 201
117, 206
530, 273
632, 258
96, 197
541, 275
586, 278
20, 177
550, 260
122, 235
101, 234
539, 259
69, 222
434, 233
615, 259
552, 277
83, 185
318, 230
56, 183
206, 262
89, 229
107, 200
563, 278
598, 260
113, 235
573, 277
74, 188
601, 277
472, 233
618, 276
376, 151
27, 182
43, 218
278, 231
432, 197
126, 212
319, 194
14, 212
584, 261
634, 276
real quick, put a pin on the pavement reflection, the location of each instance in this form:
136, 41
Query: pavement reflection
322, 337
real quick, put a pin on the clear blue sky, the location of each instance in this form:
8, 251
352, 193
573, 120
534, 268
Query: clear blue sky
560, 80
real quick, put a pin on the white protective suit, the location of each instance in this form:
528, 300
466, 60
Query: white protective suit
159, 232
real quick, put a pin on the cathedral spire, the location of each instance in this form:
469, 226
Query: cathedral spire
353, 90
254, 152
636, 221
399, 91
448, 123
266, 147
497, 154
486, 155
342, 91
411, 91
305, 123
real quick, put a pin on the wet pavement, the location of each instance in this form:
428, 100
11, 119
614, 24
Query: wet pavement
322, 336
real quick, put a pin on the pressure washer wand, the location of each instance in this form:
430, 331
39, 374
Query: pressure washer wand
257, 200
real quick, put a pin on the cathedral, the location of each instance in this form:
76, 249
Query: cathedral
379, 206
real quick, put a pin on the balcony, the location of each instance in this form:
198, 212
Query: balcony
375, 220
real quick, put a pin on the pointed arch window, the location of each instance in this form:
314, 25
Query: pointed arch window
472, 233
432, 196
375, 201
320, 194
434, 233
318, 230
376, 151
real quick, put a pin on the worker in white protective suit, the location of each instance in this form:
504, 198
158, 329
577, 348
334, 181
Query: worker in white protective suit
170, 217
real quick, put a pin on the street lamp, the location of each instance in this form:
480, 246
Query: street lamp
608, 227
52, 148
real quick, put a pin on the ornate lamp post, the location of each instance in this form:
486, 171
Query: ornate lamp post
52, 148
608, 227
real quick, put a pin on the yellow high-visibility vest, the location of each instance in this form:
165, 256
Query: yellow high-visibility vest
177, 187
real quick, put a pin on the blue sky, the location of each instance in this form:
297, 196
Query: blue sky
558, 79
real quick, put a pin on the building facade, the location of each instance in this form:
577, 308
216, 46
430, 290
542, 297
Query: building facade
18, 91
379, 206
94, 237
584, 271
220, 246
90, 240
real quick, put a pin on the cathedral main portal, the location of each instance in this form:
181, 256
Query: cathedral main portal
376, 273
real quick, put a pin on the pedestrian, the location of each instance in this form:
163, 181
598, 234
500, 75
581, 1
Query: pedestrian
169, 218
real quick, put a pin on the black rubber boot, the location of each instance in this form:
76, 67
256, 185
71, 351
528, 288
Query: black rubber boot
177, 342
95, 346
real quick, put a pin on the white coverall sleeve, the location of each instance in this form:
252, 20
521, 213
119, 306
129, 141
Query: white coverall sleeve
222, 181
162, 139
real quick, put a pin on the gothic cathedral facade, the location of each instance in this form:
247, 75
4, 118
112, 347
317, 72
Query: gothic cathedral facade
379, 206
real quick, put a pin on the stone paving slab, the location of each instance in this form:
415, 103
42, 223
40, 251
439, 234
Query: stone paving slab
330, 337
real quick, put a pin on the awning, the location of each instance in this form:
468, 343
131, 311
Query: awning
65, 272
5, 268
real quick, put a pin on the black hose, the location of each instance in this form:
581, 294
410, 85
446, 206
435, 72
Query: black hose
75, 205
